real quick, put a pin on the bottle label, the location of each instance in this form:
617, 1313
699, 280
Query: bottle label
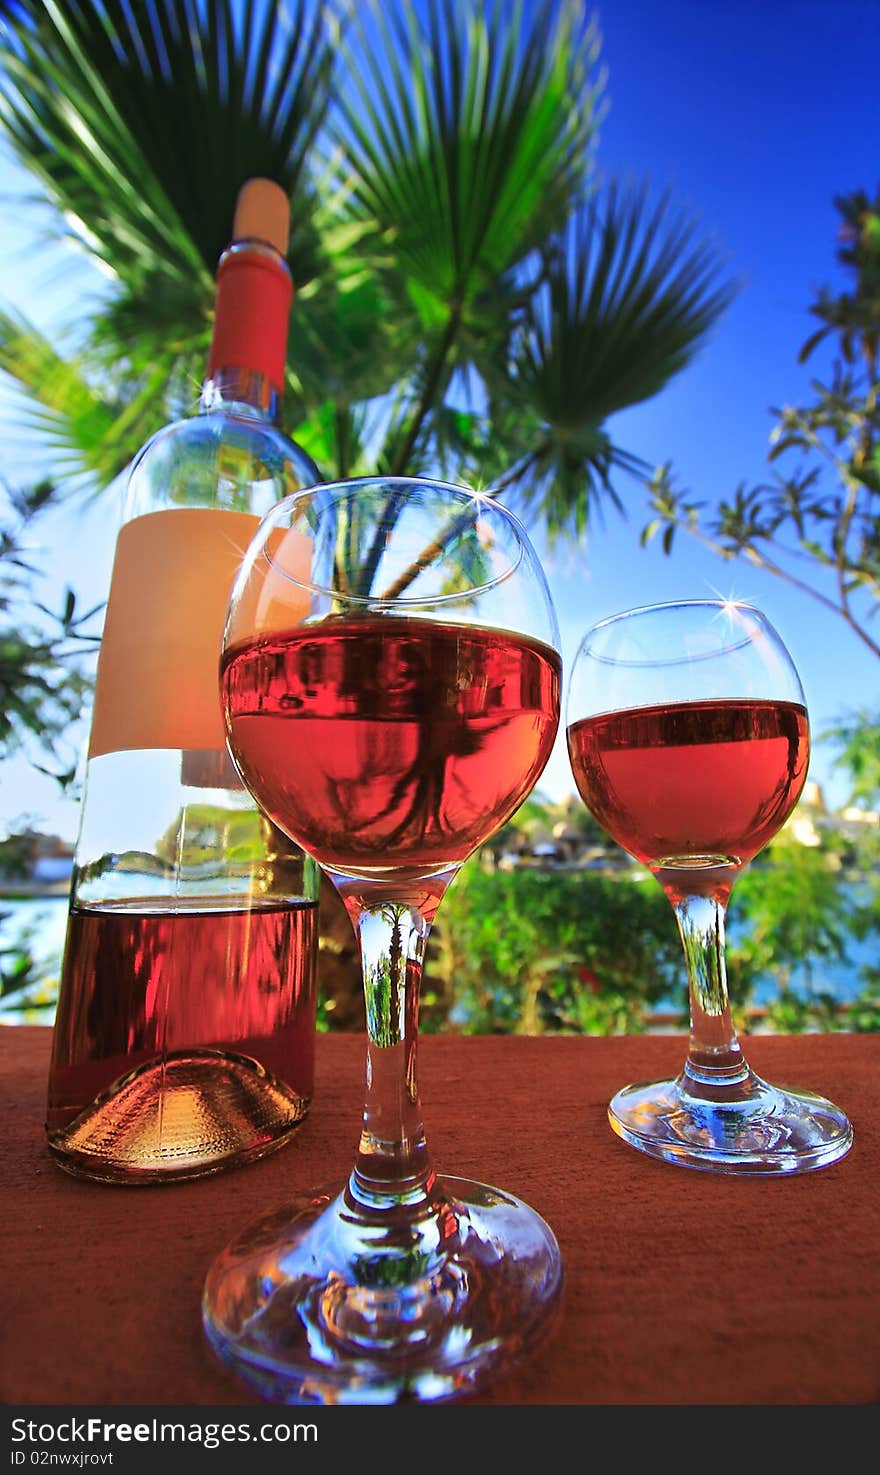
157, 681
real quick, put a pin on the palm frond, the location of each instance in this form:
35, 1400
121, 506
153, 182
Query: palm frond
86, 432
335, 438
437, 157
481, 444
467, 129
142, 121
353, 332
570, 483
626, 296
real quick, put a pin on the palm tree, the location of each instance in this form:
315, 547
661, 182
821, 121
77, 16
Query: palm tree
469, 300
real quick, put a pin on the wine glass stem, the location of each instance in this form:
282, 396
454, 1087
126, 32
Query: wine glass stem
392, 1161
715, 1058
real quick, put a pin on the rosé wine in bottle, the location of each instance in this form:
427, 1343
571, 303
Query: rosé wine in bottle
142, 984
184, 1037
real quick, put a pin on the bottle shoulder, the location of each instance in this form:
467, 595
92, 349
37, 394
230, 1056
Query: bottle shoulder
239, 461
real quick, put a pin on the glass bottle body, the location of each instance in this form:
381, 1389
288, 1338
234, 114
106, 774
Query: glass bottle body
184, 1039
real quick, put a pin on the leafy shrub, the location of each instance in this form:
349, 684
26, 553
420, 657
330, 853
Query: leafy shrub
535, 951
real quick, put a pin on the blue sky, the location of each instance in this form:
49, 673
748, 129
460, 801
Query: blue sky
756, 113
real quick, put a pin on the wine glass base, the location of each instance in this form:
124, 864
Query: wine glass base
751, 1127
304, 1312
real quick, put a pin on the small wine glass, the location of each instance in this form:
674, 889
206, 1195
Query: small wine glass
689, 742
391, 686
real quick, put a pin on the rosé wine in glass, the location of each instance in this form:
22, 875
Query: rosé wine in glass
716, 778
391, 725
390, 742
689, 742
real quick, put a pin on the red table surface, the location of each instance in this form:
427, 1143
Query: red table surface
682, 1287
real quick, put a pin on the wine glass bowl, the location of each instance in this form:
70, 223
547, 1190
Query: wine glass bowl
390, 680
689, 742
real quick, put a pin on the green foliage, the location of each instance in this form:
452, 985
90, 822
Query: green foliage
43, 680
537, 950
141, 122
864, 1014
854, 315
86, 427
624, 299
797, 909
857, 738
438, 159
202, 831
28, 985
794, 1014
475, 145
824, 513
534, 951
17, 852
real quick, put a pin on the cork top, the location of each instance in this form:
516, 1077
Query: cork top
262, 213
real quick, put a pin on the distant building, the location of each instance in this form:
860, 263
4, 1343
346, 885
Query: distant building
812, 797
853, 815
802, 828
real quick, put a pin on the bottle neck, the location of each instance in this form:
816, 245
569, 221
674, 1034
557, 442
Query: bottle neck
239, 391
249, 344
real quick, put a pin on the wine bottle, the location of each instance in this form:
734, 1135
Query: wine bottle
184, 1035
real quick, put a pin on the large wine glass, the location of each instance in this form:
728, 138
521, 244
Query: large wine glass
689, 742
391, 684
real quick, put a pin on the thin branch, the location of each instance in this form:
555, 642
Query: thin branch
760, 560
458, 524
429, 390
841, 538
426, 401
